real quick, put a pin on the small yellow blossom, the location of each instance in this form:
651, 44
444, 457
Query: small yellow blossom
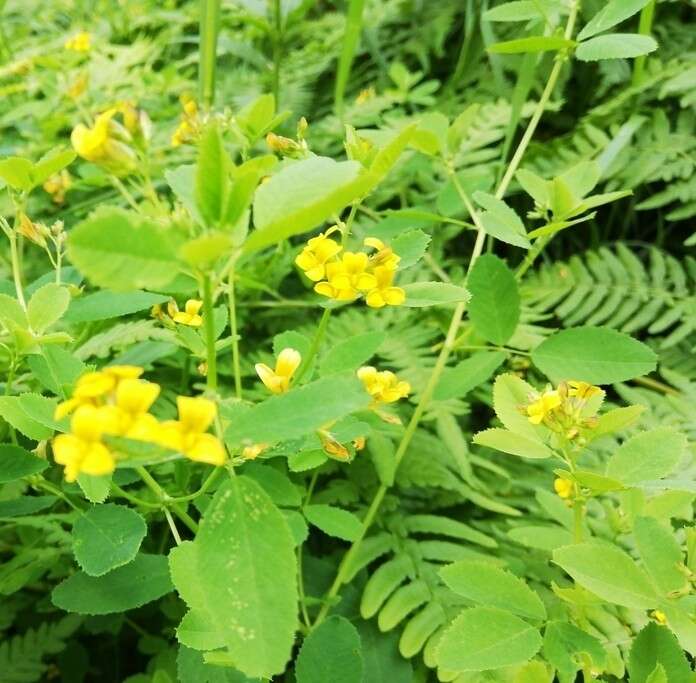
57, 185
364, 95
134, 397
545, 404
188, 434
359, 443
252, 452
106, 143
384, 293
278, 380
80, 42
35, 232
312, 259
659, 616
563, 487
384, 256
82, 450
189, 124
332, 447
189, 316
582, 390
347, 278
384, 386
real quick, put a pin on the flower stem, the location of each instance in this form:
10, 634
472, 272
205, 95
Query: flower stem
209, 324
164, 498
208, 35
277, 49
314, 348
235, 335
16, 273
453, 326
647, 17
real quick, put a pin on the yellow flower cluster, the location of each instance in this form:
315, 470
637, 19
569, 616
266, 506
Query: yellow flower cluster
277, 380
80, 42
189, 125
346, 276
560, 409
384, 386
116, 402
189, 316
57, 185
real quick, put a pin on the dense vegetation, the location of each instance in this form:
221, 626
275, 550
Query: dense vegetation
347, 341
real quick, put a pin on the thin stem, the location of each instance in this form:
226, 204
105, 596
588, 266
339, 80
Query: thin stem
314, 348
209, 22
125, 193
209, 324
133, 499
16, 271
578, 515
172, 526
210, 480
277, 48
235, 335
532, 256
657, 386
457, 316
647, 16
162, 495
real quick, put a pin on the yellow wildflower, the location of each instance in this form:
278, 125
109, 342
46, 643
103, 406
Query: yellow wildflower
364, 95
332, 447
253, 451
347, 278
189, 124
659, 616
80, 42
105, 143
278, 380
384, 255
35, 232
384, 293
313, 258
189, 434
384, 386
57, 185
82, 450
545, 404
134, 397
563, 487
582, 390
359, 443
189, 316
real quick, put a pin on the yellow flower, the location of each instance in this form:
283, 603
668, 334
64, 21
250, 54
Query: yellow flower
364, 95
57, 185
80, 42
384, 386
659, 616
253, 451
347, 278
278, 380
384, 293
563, 487
189, 316
105, 143
543, 406
312, 259
82, 450
35, 232
332, 447
133, 399
359, 443
384, 255
582, 390
188, 126
184, 133
189, 434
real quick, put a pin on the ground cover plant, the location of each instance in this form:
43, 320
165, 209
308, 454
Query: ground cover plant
347, 342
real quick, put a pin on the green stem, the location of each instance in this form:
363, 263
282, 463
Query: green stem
457, 316
162, 495
235, 335
532, 256
314, 348
125, 193
277, 49
209, 325
16, 271
578, 515
647, 16
209, 24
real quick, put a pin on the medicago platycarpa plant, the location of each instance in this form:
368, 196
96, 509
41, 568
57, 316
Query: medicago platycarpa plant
311, 399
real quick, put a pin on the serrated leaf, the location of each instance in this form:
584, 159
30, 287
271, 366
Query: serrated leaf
47, 306
351, 353
459, 380
657, 645
494, 308
611, 14
143, 580
104, 304
565, 646
16, 462
501, 222
532, 44
334, 521
512, 443
106, 537
615, 46
423, 294
593, 354
410, 246
661, 554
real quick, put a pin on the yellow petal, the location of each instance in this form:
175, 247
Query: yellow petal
64, 408
193, 306
136, 395
123, 371
144, 427
88, 423
269, 378
315, 274
288, 361
196, 414
394, 296
94, 384
206, 448
374, 299
374, 243
325, 289
98, 460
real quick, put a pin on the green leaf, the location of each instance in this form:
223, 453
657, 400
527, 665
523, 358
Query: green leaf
212, 176
299, 411
593, 354
532, 44
615, 46
50, 164
647, 456
616, 420
239, 577
381, 658
56, 369
277, 485
351, 38
510, 393
182, 180
17, 173
106, 537
501, 222
191, 667
331, 652
485, 584
410, 246
484, 638
334, 521
458, 381
546, 538
388, 154
494, 308
47, 306
105, 304
95, 487
143, 580
657, 645
11, 313
661, 555
512, 443
30, 414
301, 196
565, 645
518, 10
611, 14
422, 294
121, 250
16, 462
351, 353
608, 572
